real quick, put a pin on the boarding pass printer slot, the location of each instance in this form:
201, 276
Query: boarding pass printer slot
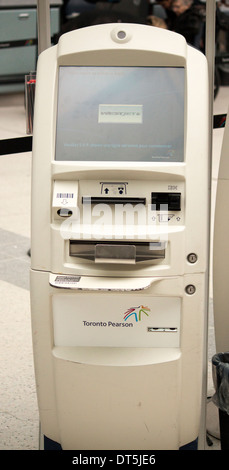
123, 252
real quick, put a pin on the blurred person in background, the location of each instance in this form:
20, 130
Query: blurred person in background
169, 13
188, 21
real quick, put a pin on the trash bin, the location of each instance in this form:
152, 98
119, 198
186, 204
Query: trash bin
220, 372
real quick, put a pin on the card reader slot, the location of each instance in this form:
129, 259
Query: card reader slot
118, 252
113, 200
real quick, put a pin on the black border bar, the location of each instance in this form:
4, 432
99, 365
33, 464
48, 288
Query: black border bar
17, 145
24, 144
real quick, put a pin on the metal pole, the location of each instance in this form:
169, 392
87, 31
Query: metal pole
210, 55
43, 25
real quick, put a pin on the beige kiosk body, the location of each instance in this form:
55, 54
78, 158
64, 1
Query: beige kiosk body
119, 244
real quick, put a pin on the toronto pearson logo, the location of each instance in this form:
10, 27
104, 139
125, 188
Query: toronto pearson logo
133, 313
136, 312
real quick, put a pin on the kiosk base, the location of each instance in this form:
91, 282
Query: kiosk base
52, 445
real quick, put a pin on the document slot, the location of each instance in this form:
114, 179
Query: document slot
113, 200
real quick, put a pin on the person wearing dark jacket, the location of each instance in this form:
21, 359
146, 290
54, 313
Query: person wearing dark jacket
187, 21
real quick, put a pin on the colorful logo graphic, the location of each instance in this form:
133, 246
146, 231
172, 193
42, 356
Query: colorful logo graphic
136, 312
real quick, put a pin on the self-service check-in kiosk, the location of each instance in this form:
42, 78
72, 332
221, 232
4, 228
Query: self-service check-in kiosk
220, 252
119, 238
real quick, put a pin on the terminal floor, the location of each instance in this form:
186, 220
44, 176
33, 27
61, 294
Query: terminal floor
19, 419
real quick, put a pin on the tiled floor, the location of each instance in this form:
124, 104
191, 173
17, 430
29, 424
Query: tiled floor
19, 421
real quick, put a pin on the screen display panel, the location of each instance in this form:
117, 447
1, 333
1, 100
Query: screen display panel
133, 114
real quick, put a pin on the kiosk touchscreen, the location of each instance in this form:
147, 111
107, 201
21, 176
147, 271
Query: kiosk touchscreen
93, 126
119, 238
